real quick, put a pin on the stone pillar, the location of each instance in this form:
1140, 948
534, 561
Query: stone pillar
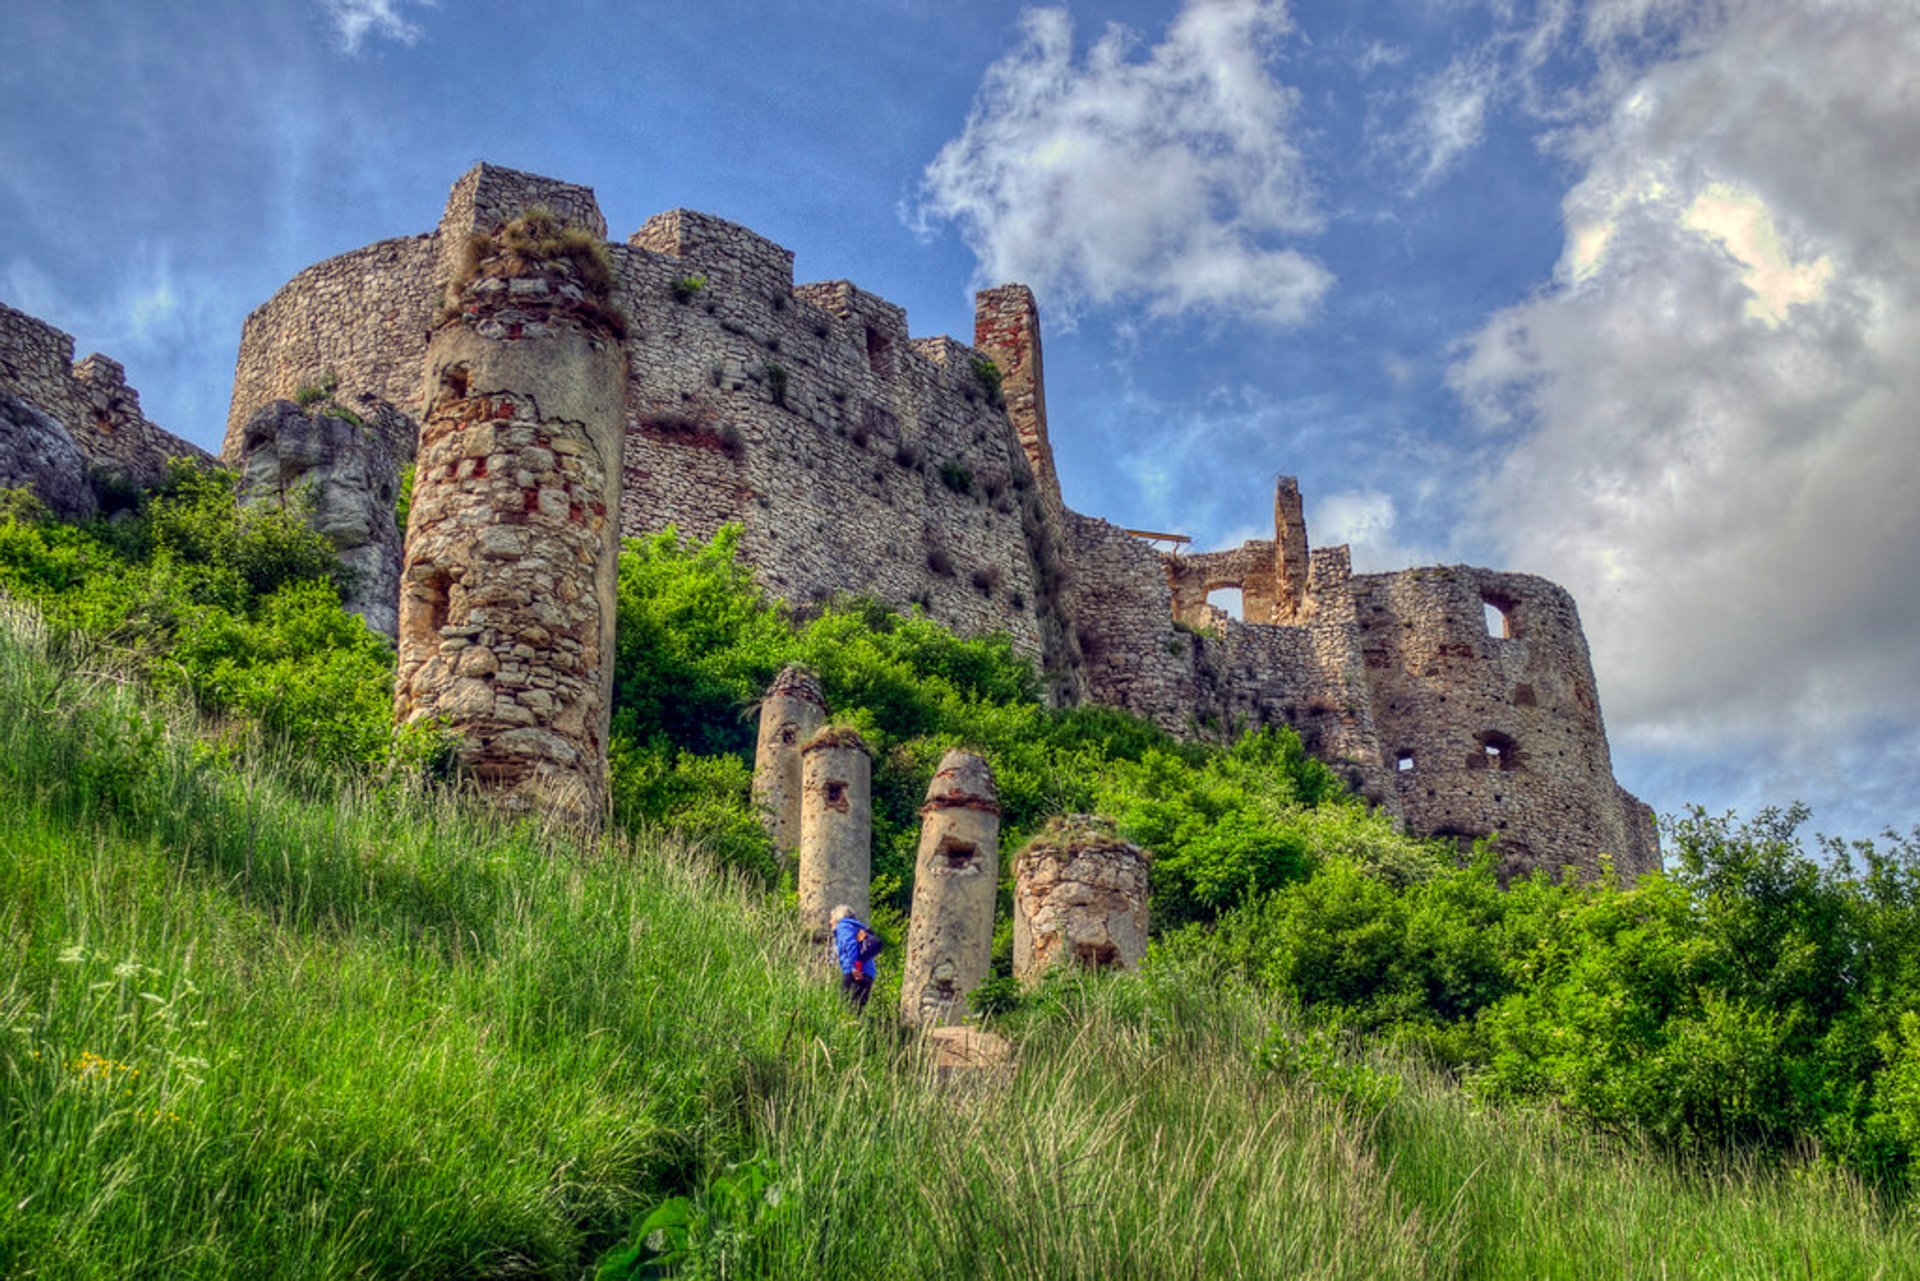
1290, 551
1006, 330
507, 586
790, 713
950, 940
1079, 897
836, 826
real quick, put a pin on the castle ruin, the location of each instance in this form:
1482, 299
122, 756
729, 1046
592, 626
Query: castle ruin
858, 459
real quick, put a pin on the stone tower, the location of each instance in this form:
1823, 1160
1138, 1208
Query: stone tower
950, 939
792, 710
1079, 897
1006, 330
507, 588
836, 826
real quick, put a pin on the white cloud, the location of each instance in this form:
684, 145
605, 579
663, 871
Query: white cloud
1448, 119
356, 21
1368, 521
1706, 427
1165, 177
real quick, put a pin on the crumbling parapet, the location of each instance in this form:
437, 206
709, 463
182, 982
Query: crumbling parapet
956, 875
1006, 330
508, 588
836, 827
792, 711
1290, 552
1079, 897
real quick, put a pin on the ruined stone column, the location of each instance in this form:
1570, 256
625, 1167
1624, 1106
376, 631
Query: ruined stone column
1290, 551
507, 586
950, 941
1079, 897
1006, 329
836, 826
792, 710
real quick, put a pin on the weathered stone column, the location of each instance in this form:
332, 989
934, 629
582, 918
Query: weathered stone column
836, 826
792, 710
1006, 329
507, 586
950, 941
1079, 897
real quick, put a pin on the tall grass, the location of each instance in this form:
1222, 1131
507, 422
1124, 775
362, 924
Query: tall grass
251, 1028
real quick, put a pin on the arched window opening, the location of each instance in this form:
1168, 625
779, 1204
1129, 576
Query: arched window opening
1498, 751
1499, 616
1228, 600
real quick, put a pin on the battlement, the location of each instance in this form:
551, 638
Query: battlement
717, 246
487, 197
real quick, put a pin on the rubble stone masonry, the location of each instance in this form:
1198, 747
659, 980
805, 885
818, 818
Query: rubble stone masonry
508, 586
90, 399
1080, 898
858, 459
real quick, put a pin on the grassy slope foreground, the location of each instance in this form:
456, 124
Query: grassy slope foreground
246, 1030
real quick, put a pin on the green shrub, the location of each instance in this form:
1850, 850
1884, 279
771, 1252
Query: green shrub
236, 607
698, 645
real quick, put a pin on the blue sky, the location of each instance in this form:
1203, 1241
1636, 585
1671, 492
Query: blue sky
1622, 292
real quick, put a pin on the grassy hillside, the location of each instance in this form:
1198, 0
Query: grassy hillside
253, 1028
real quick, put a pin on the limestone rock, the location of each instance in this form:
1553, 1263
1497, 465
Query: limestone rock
37, 453
344, 479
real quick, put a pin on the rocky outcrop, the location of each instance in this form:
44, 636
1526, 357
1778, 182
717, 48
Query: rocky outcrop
341, 478
39, 454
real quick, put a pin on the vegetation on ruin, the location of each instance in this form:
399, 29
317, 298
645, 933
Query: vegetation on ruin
991, 380
537, 243
252, 1028
323, 398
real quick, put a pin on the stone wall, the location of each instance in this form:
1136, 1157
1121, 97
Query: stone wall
859, 459
90, 399
361, 317
856, 459
1496, 730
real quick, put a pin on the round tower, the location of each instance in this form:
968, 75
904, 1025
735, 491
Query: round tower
836, 826
1079, 897
792, 711
507, 582
950, 940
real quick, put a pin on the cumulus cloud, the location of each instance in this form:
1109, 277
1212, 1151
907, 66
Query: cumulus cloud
1706, 426
1164, 176
357, 21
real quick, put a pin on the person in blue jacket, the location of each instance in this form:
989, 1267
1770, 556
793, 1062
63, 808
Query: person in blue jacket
855, 944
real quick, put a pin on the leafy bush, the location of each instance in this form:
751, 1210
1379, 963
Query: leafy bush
1751, 997
236, 607
698, 645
